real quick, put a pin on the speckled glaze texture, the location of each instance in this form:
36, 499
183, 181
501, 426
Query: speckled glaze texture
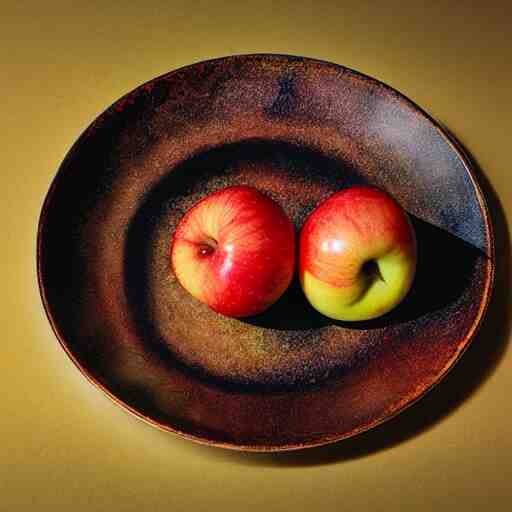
297, 129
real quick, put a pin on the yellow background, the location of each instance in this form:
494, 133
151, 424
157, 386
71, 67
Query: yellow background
64, 446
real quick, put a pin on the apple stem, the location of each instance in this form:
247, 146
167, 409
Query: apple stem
207, 248
371, 269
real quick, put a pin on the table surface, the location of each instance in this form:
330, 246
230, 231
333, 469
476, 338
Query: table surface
66, 446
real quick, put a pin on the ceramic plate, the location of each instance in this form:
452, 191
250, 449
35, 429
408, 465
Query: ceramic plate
298, 129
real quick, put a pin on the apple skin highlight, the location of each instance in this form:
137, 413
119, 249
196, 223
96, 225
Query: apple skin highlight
235, 251
357, 254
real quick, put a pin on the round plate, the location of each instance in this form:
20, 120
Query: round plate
298, 129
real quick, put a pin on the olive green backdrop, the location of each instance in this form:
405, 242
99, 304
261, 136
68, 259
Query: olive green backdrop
67, 447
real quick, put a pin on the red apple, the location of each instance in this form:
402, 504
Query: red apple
235, 251
357, 254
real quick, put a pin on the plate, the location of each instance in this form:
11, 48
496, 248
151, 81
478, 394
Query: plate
298, 129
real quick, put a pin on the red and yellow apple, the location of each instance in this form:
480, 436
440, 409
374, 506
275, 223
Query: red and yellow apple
235, 251
357, 254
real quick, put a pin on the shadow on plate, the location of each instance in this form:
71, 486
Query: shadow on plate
440, 254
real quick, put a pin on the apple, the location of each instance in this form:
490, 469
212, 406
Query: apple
235, 251
357, 254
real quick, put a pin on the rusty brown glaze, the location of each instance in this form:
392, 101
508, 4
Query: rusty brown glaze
298, 129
